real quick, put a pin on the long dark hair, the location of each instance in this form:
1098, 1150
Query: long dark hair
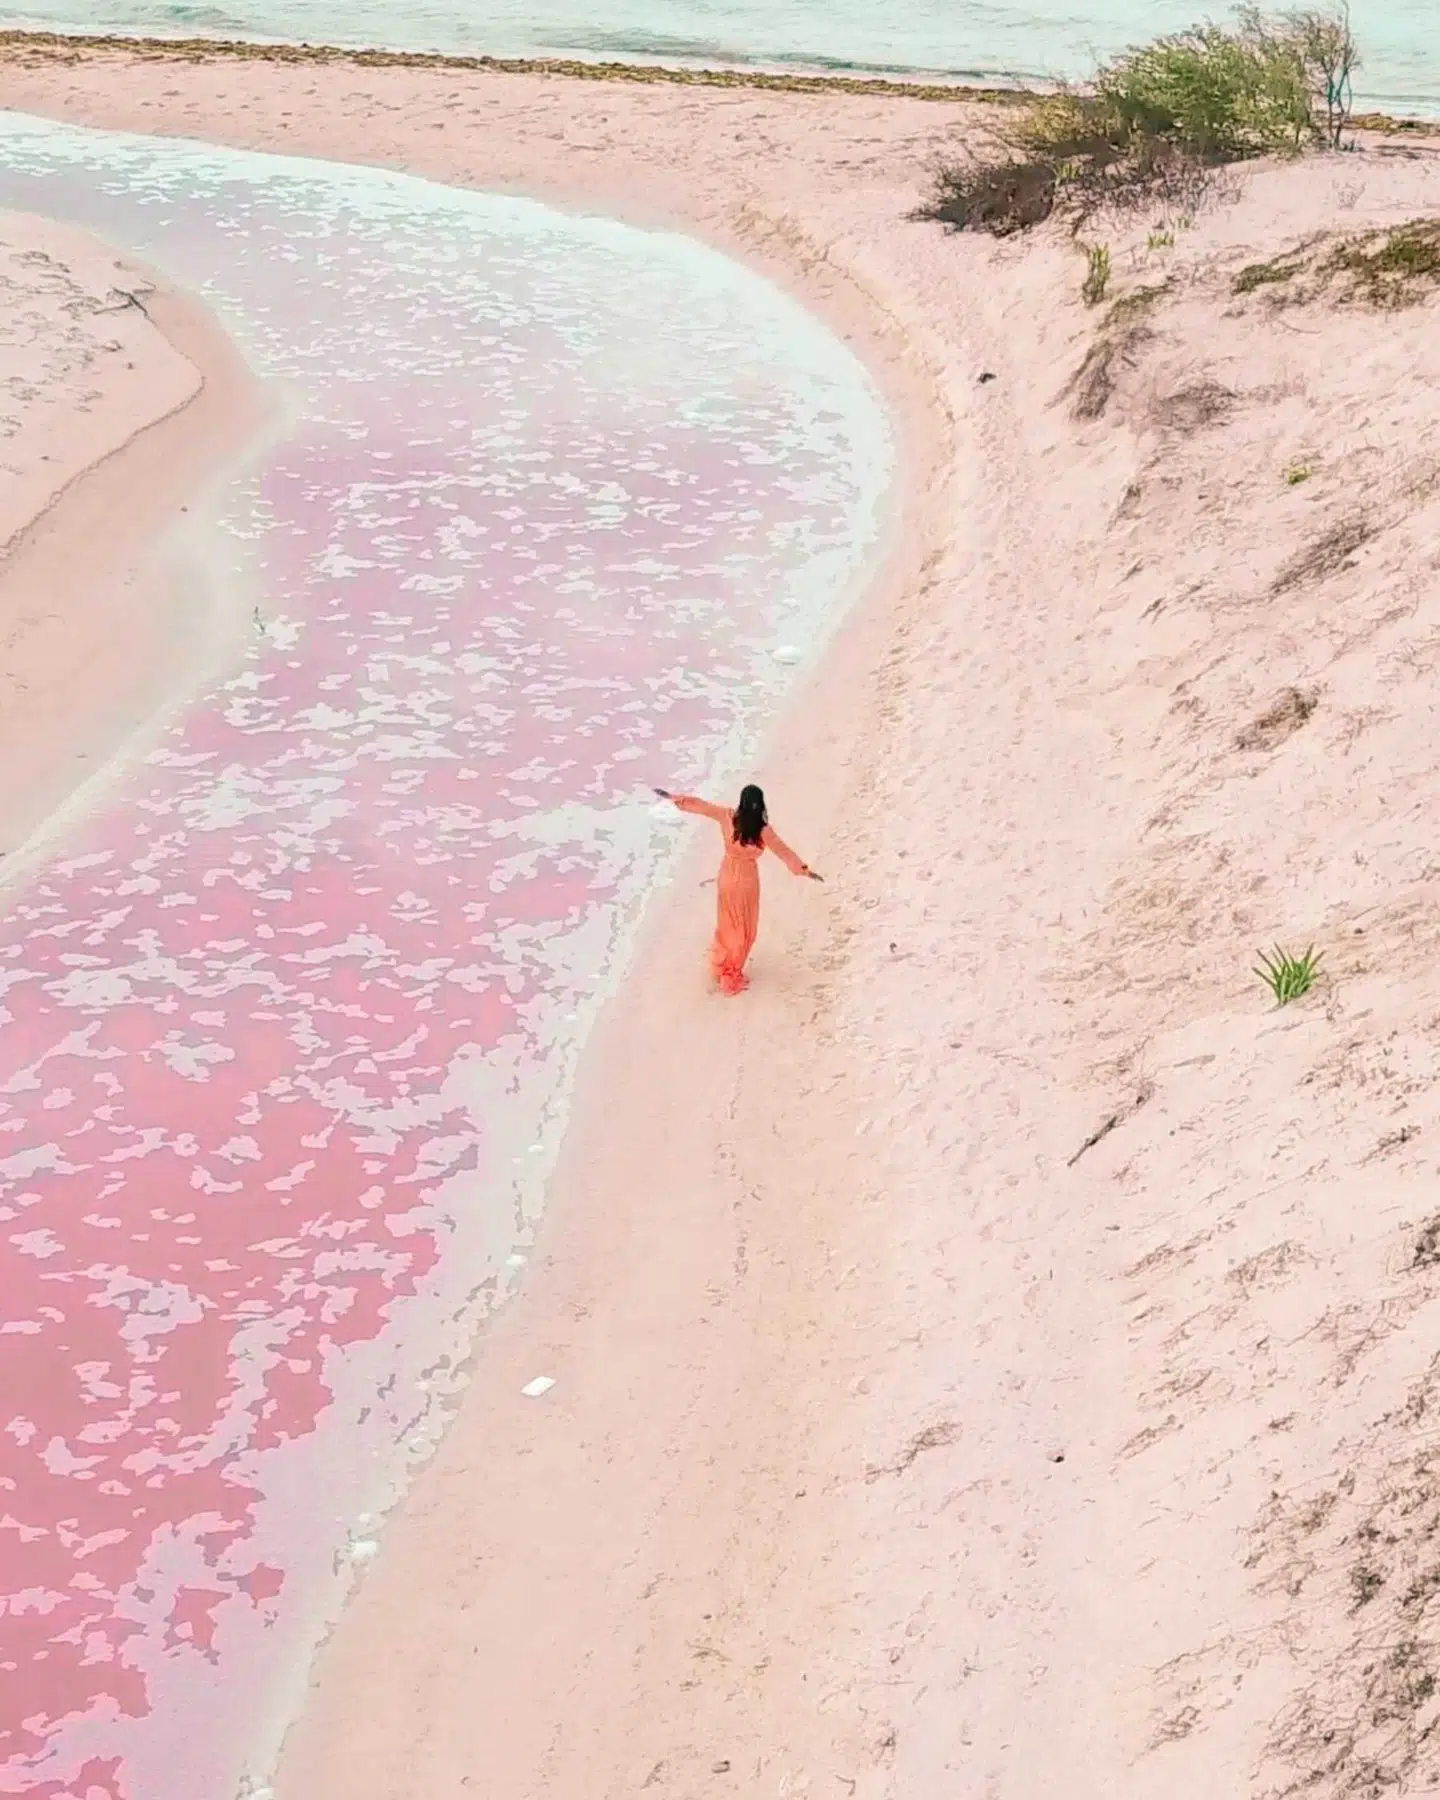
751, 817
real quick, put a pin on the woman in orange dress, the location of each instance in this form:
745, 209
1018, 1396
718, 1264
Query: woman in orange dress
747, 833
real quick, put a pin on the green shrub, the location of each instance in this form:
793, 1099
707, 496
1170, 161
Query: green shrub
1220, 96
1156, 121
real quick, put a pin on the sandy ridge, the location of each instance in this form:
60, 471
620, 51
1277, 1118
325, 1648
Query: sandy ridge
76, 339
122, 401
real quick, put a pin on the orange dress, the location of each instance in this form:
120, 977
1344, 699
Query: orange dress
737, 893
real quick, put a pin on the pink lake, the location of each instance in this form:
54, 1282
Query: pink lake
289, 1020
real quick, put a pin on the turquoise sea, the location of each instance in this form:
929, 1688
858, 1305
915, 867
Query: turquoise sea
979, 40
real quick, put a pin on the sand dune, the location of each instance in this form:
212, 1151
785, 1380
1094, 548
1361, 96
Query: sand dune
997, 1357
1213, 649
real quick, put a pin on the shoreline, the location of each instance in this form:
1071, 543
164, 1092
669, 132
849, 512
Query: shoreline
105, 643
647, 1231
62, 46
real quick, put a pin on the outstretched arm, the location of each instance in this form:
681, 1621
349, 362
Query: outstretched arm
687, 803
773, 841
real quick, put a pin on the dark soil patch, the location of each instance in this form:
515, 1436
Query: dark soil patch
1193, 408
1281, 719
1330, 552
1092, 387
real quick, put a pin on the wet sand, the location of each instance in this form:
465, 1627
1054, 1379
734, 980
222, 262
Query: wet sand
996, 1354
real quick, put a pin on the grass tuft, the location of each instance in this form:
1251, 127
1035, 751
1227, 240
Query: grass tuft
1385, 270
1390, 269
1288, 977
1276, 273
1097, 275
1133, 305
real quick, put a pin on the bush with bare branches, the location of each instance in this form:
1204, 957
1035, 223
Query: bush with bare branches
1327, 48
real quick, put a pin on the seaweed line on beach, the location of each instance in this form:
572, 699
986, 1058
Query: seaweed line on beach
53, 46
56, 46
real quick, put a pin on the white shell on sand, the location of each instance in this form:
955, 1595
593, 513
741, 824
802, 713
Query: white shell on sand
542, 1384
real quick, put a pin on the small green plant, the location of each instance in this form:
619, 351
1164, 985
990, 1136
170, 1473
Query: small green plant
1097, 274
1161, 238
1288, 977
1298, 472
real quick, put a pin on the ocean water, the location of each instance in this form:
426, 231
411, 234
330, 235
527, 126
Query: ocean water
558, 510
983, 40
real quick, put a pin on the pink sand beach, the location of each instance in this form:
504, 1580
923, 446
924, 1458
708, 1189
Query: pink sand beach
995, 1355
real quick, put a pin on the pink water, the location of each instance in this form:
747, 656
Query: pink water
289, 1021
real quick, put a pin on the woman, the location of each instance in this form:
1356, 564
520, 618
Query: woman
747, 836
